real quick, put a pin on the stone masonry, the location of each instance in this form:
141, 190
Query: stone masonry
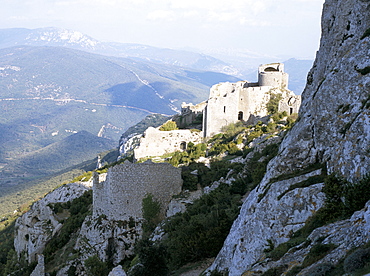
120, 196
245, 101
157, 143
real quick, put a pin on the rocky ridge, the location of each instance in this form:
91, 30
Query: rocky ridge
333, 129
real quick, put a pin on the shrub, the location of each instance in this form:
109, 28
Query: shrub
151, 213
273, 104
356, 260
320, 270
317, 252
95, 266
168, 126
151, 259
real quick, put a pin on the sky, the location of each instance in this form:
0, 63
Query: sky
283, 28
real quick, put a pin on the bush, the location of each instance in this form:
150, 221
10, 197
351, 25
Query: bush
273, 104
151, 213
356, 260
200, 232
151, 260
95, 266
168, 126
320, 270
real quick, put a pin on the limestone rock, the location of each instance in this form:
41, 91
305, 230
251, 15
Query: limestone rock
36, 227
346, 235
265, 217
98, 236
40, 267
333, 128
117, 271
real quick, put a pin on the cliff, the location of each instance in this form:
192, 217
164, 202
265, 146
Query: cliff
333, 129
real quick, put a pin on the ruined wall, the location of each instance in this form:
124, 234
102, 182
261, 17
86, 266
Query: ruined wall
120, 196
189, 114
157, 143
290, 104
230, 102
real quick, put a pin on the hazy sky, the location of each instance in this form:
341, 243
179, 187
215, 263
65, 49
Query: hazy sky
273, 27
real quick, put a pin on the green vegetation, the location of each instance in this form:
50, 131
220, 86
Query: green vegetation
151, 213
364, 71
150, 260
78, 209
273, 104
96, 267
191, 153
168, 126
342, 200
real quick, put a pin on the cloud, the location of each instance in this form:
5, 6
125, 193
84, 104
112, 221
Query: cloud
164, 15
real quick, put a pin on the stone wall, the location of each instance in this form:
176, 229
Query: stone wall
189, 114
231, 102
157, 143
120, 196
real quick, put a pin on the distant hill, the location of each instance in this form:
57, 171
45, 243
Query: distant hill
60, 155
76, 40
48, 93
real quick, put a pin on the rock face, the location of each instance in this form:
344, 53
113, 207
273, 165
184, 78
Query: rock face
36, 227
334, 125
110, 240
333, 128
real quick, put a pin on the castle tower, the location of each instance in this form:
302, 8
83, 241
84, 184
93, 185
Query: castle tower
273, 75
245, 101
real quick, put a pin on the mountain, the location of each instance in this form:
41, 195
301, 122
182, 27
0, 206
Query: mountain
76, 40
47, 93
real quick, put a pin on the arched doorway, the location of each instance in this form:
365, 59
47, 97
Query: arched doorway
240, 115
183, 146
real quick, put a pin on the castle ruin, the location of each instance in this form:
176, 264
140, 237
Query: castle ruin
246, 101
120, 196
227, 103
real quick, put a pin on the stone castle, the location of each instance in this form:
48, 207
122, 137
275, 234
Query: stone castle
246, 101
120, 196
227, 103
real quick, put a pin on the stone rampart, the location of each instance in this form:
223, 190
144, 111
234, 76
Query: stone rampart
157, 143
120, 196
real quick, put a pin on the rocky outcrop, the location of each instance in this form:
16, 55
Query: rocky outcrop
343, 235
108, 239
334, 122
36, 227
333, 128
117, 271
40, 267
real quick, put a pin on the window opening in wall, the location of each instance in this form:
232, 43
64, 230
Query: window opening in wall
224, 109
240, 115
183, 146
291, 111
